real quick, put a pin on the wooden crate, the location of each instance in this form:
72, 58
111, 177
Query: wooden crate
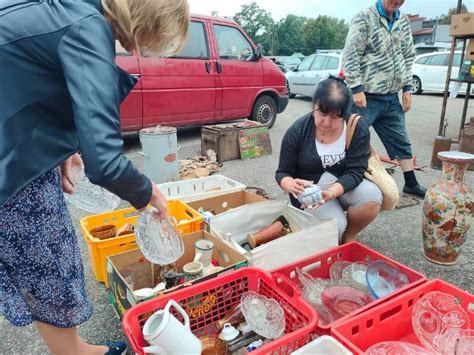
224, 139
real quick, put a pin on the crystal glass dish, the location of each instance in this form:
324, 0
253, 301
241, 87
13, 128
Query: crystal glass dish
457, 341
263, 315
384, 278
396, 348
335, 272
90, 197
158, 239
312, 287
354, 275
436, 319
343, 300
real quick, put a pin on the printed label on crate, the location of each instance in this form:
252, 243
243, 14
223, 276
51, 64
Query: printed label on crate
204, 307
254, 143
130, 297
241, 265
117, 302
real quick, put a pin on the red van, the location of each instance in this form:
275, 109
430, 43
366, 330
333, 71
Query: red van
219, 75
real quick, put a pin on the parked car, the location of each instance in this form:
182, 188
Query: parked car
430, 47
430, 70
303, 79
219, 75
287, 63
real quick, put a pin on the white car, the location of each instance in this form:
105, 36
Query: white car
306, 76
430, 70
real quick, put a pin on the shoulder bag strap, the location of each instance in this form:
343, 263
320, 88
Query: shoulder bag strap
351, 127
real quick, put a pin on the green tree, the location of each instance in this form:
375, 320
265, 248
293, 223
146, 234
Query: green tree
289, 32
446, 19
324, 32
257, 22
268, 40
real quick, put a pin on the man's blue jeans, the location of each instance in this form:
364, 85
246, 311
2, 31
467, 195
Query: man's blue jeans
385, 114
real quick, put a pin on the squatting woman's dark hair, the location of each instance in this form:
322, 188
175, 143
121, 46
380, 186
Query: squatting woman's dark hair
333, 97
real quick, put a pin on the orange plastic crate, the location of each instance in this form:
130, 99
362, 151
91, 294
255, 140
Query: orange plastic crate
99, 250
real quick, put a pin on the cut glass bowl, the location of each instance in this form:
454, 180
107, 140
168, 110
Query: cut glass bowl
436, 317
343, 300
384, 279
90, 197
158, 239
263, 315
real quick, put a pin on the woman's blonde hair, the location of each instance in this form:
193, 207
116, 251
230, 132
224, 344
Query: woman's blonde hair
159, 27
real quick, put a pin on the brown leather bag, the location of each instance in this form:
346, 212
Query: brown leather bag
375, 171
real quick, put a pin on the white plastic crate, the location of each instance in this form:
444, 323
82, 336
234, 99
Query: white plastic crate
324, 345
196, 189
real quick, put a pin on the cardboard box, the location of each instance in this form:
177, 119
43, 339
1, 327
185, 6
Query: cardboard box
469, 55
224, 139
130, 271
223, 203
310, 235
462, 25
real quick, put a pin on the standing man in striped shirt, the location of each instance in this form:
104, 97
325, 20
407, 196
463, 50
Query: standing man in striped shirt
378, 59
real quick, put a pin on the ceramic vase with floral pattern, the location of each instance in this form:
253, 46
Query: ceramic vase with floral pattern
447, 210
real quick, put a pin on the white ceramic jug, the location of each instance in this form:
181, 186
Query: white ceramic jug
203, 252
167, 335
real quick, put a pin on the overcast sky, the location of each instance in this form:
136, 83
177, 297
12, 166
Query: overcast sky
344, 9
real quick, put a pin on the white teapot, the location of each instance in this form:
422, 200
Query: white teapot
167, 335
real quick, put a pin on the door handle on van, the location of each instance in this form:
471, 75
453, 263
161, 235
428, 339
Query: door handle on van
136, 76
219, 67
208, 67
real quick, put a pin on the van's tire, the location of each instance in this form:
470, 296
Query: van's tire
264, 111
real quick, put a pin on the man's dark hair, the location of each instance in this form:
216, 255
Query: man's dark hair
333, 97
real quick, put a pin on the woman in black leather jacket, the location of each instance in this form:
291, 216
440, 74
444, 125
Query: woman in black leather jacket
60, 93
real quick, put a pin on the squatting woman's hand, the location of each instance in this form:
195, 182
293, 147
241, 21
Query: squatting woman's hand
294, 186
327, 196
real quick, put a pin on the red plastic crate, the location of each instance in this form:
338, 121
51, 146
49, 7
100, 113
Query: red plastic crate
209, 301
319, 265
391, 321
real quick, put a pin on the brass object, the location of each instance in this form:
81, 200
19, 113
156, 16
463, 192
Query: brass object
234, 317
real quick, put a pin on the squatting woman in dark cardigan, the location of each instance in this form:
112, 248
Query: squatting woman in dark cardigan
314, 150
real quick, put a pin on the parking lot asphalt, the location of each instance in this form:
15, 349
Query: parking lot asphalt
396, 233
